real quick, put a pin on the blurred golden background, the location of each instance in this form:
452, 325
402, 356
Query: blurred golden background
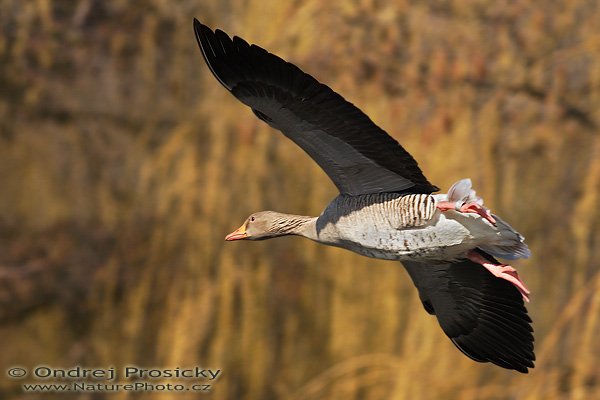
123, 163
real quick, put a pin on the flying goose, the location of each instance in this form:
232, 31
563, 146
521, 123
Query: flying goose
385, 209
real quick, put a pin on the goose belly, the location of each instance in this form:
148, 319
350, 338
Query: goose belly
443, 238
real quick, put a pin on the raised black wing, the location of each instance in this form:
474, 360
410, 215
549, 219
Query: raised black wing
358, 156
484, 316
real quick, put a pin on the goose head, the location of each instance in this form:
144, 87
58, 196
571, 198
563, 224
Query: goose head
258, 226
268, 224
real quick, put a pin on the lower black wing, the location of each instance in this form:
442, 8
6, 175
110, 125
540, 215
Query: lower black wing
484, 316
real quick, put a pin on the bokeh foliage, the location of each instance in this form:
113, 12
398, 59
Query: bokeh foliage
123, 164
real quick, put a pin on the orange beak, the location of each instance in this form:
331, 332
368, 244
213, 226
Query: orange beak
238, 234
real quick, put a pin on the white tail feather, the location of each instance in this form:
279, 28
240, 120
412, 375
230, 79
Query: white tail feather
462, 191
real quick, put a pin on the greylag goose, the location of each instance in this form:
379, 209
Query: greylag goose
385, 208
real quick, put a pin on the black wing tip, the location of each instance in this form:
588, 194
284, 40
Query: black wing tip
210, 43
198, 28
523, 367
520, 364
202, 29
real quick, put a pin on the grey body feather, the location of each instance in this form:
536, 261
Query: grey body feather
409, 227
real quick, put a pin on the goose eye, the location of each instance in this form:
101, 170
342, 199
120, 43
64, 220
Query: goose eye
252, 219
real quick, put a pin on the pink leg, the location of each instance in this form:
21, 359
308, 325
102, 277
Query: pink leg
472, 207
501, 271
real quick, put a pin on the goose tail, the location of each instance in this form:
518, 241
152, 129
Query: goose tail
512, 244
512, 247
